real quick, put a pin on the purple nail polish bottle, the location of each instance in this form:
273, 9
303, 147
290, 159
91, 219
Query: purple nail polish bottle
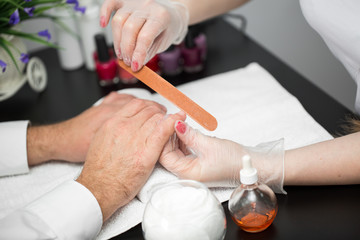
201, 43
191, 55
170, 61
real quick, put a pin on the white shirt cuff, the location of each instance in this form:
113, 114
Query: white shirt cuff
13, 150
70, 210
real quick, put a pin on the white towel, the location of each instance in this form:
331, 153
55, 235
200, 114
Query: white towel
250, 106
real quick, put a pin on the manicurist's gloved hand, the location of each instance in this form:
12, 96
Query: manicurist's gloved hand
217, 162
143, 28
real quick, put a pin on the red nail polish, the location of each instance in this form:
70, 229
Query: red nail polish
181, 127
102, 21
136, 65
118, 53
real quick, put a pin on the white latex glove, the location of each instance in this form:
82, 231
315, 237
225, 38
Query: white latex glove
217, 162
143, 28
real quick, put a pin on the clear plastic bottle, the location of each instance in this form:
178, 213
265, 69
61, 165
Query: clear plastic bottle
253, 205
89, 26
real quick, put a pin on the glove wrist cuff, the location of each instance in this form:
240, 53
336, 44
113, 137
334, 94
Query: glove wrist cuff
268, 159
183, 12
180, 14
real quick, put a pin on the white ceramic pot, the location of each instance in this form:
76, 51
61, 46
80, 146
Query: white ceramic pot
12, 79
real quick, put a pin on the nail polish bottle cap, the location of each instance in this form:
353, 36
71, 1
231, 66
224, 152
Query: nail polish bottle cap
248, 174
171, 48
189, 40
102, 48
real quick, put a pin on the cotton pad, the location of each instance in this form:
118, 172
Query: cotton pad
183, 209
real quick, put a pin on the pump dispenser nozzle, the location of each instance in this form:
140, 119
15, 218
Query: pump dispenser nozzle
248, 174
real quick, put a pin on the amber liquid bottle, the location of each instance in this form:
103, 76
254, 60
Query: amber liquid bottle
253, 205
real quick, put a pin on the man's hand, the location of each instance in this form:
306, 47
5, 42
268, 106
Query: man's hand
124, 151
69, 140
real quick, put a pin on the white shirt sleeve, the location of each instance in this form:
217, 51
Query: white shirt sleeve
70, 211
13, 151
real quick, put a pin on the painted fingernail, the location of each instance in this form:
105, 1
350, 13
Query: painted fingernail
180, 127
127, 61
135, 66
102, 21
118, 53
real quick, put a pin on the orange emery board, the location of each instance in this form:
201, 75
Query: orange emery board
171, 93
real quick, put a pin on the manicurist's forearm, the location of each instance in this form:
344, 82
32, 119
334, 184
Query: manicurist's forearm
332, 162
200, 10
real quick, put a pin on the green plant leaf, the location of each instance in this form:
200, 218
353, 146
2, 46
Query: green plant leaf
3, 44
9, 43
13, 3
7, 8
42, 9
4, 19
39, 2
29, 36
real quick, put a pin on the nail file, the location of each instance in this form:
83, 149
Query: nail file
171, 93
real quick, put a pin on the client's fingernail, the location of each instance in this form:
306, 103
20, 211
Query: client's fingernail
180, 127
102, 21
182, 113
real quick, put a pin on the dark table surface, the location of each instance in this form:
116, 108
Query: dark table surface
323, 212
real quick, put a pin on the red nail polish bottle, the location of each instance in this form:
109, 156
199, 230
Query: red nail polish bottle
106, 66
126, 77
192, 55
153, 64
